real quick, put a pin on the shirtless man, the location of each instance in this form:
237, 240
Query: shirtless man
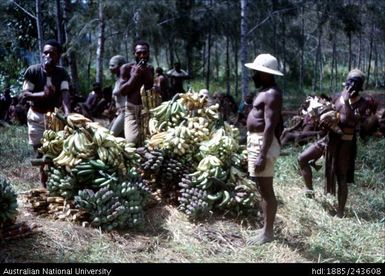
119, 101
132, 77
264, 126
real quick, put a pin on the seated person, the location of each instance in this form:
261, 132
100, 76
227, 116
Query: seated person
95, 102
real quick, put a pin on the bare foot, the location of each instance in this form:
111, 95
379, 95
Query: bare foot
309, 193
260, 239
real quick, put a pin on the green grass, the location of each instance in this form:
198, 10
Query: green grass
304, 229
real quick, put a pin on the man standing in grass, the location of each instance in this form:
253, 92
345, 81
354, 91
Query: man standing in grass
264, 126
45, 86
341, 149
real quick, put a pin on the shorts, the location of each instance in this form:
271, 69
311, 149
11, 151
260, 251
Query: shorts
117, 124
36, 127
133, 125
254, 146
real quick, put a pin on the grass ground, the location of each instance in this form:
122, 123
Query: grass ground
305, 231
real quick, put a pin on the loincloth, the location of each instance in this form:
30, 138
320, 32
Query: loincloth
254, 146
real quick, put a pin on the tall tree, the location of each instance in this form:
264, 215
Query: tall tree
100, 48
244, 47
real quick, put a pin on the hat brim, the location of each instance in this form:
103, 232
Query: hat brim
263, 69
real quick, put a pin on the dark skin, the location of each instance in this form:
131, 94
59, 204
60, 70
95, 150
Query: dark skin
133, 76
264, 117
312, 153
351, 112
51, 58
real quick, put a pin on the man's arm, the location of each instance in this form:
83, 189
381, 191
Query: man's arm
66, 101
347, 116
271, 116
28, 95
272, 107
133, 77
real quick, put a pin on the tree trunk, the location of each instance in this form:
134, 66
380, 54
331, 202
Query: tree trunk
208, 70
236, 75
370, 59
60, 26
39, 27
227, 70
350, 51
244, 48
100, 49
283, 25
71, 55
302, 62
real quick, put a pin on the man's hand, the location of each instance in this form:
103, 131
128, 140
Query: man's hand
346, 93
26, 95
260, 163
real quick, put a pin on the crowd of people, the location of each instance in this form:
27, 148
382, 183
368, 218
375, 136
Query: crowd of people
259, 117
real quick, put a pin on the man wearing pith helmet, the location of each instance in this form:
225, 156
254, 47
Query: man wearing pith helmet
264, 126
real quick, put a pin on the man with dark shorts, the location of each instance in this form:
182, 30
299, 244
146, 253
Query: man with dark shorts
264, 126
341, 149
133, 76
45, 86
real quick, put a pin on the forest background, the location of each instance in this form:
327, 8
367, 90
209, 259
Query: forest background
316, 42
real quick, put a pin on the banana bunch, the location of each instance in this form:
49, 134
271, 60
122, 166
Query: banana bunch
220, 145
109, 209
209, 162
8, 202
170, 111
105, 179
131, 156
193, 202
193, 100
204, 179
87, 172
52, 142
245, 191
104, 208
179, 140
60, 183
76, 120
75, 148
152, 160
199, 128
245, 195
239, 160
211, 113
157, 140
53, 122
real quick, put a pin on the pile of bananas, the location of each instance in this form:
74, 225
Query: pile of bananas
118, 205
8, 203
94, 162
197, 151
